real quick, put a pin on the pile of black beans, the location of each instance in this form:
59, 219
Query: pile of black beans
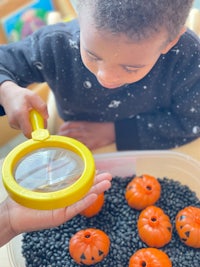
49, 248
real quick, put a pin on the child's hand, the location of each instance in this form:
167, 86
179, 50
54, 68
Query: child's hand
93, 134
17, 102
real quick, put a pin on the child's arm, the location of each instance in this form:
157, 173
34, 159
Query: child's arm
17, 102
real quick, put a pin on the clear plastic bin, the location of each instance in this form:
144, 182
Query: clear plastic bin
161, 164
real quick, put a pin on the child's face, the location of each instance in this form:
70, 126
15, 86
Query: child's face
115, 60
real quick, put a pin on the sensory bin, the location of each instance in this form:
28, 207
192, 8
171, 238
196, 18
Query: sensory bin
179, 178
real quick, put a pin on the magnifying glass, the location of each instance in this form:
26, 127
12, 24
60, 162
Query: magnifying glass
48, 171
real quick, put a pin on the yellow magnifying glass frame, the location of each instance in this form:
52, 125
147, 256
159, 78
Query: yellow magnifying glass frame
47, 200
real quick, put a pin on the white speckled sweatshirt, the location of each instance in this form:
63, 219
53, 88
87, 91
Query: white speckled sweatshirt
160, 111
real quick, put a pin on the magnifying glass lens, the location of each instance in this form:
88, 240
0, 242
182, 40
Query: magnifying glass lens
48, 169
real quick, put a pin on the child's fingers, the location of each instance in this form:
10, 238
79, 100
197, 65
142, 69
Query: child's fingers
102, 176
37, 103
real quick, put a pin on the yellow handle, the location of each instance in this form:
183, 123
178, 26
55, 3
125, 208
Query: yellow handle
37, 122
36, 119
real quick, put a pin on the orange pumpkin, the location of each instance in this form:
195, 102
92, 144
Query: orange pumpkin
154, 227
188, 226
142, 191
147, 257
95, 208
89, 246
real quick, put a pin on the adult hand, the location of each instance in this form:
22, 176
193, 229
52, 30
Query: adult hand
93, 134
15, 219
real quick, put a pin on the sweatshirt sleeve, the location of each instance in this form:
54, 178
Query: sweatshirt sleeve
2, 111
30, 60
34, 59
19, 61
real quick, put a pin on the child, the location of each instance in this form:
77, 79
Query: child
130, 75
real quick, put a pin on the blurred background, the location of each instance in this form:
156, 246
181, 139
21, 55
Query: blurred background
197, 4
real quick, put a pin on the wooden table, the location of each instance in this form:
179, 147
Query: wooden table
192, 149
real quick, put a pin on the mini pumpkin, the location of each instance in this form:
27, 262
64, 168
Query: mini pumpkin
89, 246
154, 227
95, 208
154, 257
188, 226
142, 191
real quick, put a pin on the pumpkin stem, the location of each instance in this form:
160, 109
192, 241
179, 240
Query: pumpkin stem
153, 221
148, 187
143, 264
87, 235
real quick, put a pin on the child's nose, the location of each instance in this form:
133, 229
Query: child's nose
108, 75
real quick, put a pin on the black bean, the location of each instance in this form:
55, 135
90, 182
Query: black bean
49, 248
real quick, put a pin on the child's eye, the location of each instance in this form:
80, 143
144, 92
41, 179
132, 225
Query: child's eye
130, 69
92, 57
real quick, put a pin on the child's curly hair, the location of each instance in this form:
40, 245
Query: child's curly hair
139, 19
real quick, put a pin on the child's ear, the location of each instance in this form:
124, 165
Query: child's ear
173, 42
